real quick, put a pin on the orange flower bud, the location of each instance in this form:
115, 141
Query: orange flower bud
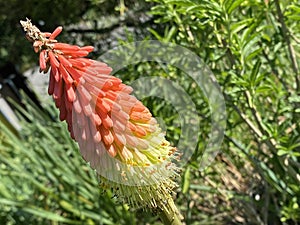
55, 33
43, 60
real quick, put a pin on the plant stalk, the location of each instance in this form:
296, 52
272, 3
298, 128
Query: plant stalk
170, 215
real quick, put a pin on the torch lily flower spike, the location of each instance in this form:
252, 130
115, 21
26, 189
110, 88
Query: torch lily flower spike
116, 133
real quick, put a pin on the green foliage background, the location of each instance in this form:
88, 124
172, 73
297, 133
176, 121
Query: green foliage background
252, 47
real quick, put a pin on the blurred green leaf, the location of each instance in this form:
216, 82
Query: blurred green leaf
186, 180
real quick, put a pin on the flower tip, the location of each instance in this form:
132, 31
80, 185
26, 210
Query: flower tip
43, 60
55, 33
24, 23
88, 48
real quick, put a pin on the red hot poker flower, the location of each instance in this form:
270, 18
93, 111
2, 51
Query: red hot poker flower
116, 132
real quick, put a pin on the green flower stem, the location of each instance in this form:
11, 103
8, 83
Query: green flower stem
170, 215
